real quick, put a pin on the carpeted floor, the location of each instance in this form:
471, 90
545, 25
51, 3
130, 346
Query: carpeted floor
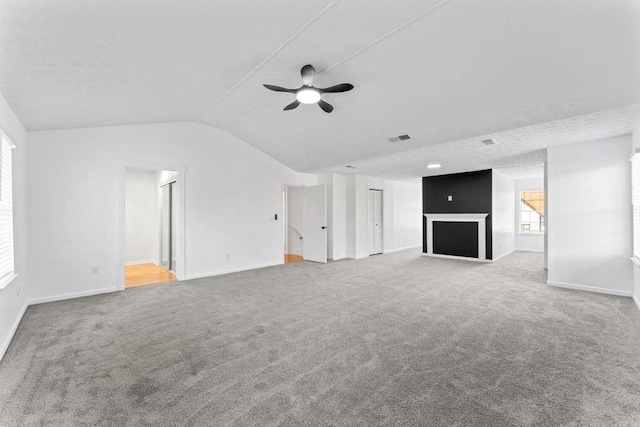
394, 339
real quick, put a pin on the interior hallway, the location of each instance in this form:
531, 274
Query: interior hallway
146, 274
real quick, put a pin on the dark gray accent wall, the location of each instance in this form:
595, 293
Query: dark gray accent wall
472, 193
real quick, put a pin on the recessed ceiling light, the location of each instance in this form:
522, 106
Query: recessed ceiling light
434, 165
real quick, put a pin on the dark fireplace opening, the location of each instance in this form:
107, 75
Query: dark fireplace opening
455, 238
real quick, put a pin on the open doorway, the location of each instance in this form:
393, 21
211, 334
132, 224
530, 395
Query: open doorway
151, 232
305, 223
293, 205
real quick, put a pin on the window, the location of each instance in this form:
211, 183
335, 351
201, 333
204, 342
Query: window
635, 185
532, 212
6, 213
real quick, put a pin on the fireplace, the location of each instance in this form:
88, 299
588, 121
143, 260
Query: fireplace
460, 236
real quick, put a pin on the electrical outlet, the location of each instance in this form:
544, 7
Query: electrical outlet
228, 257
95, 270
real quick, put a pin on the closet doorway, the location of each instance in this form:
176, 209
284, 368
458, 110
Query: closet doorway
153, 231
375, 222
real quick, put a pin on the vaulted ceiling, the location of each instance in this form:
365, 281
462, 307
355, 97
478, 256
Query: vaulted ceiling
443, 71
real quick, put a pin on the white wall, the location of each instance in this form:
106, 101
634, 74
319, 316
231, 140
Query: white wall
232, 194
14, 298
401, 210
336, 214
295, 219
527, 241
407, 216
142, 216
338, 229
589, 216
503, 214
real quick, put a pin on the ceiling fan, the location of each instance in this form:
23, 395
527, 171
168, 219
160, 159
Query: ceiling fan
308, 94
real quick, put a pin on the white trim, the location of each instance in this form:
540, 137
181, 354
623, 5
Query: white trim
5, 281
635, 155
11, 144
459, 258
635, 260
232, 270
7, 341
457, 217
538, 251
72, 295
589, 288
636, 300
147, 261
503, 255
390, 251
480, 218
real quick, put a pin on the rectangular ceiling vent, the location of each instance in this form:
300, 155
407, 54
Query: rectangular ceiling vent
399, 138
489, 141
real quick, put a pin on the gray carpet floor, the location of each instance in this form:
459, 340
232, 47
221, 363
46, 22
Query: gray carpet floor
395, 339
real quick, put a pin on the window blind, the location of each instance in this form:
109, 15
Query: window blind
6, 208
635, 182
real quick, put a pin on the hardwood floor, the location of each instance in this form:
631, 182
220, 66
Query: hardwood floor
146, 274
292, 258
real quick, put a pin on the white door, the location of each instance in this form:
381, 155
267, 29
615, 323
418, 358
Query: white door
314, 242
375, 222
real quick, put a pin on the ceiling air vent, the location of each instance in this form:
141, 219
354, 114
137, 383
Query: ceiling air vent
399, 138
489, 141
351, 167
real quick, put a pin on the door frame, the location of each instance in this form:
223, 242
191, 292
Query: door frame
181, 228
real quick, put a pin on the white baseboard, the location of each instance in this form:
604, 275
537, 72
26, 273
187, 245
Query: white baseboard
459, 258
390, 251
539, 251
231, 270
503, 255
72, 295
12, 332
589, 288
147, 261
636, 300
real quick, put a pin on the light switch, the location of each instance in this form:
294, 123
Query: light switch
450, 198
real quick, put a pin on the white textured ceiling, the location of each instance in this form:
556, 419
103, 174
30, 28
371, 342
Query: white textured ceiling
516, 147
535, 170
439, 70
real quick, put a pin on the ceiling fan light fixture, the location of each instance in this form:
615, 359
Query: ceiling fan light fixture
308, 96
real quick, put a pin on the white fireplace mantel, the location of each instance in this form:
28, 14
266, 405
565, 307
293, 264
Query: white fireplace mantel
480, 218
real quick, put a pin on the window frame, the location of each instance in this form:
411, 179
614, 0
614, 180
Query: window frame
635, 205
11, 274
519, 203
